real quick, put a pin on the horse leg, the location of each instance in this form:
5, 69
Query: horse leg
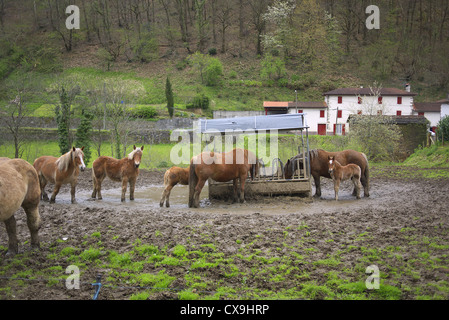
94, 181
364, 182
357, 186
43, 183
72, 190
196, 196
13, 244
132, 185
98, 185
166, 196
34, 223
235, 194
336, 188
242, 189
124, 185
55, 192
317, 186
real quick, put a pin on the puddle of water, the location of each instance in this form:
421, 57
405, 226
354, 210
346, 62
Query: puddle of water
149, 197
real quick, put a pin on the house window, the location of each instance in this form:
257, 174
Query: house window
399, 100
379, 100
399, 113
321, 113
339, 113
340, 100
360, 100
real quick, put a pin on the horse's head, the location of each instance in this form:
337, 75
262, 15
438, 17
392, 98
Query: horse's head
292, 165
331, 163
136, 156
78, 157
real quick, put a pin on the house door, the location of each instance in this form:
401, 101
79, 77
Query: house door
322, 129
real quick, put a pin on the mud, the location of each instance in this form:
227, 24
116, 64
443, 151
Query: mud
394, 204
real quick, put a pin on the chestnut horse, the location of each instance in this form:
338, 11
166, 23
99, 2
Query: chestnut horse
319, 166
221, 167
19, 187
60, 171
341, 173
172, 177
124, 170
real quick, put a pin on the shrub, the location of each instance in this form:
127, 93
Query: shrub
212, 51
200, 101
144, 112
442, 131
214, 71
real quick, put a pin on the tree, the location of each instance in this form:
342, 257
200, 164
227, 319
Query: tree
272, 68
169, 96
200, 62
376, 133
15, 112
62, 112
442, 131
214, 70
83, 136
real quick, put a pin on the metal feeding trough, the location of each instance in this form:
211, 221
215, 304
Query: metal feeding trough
269, 181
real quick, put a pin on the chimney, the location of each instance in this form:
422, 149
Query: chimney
407, 87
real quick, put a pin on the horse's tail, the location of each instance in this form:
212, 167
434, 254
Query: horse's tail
193, 181
166, 175
366, 174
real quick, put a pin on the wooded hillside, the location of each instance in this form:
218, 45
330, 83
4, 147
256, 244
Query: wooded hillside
302, 44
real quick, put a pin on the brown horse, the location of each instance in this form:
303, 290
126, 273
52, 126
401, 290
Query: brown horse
221, 167
124, 170
60, 171
341, 173
172, 177
319, 166
19, 187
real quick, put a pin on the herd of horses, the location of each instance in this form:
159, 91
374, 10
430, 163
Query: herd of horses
23, 184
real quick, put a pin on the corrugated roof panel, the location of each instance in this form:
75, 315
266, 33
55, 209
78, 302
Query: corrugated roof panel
280, 122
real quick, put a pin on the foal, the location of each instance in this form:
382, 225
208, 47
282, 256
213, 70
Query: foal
172, 177
341, 173
124, 170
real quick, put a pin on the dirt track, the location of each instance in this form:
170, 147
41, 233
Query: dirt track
395, 205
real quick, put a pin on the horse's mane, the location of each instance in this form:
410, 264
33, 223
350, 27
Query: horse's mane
63, 161
313, 153
132, 153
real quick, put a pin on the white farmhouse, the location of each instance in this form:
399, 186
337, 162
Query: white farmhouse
316, 111
430, 110
346, 101
444, 108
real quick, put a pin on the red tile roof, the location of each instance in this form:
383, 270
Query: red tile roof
277, 104
308, 104
368, 91
289, 104
427, 106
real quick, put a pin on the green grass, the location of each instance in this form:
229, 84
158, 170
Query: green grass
209, 272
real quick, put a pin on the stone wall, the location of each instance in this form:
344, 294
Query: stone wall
146, 132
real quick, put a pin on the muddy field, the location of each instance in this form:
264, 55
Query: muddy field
403, 227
